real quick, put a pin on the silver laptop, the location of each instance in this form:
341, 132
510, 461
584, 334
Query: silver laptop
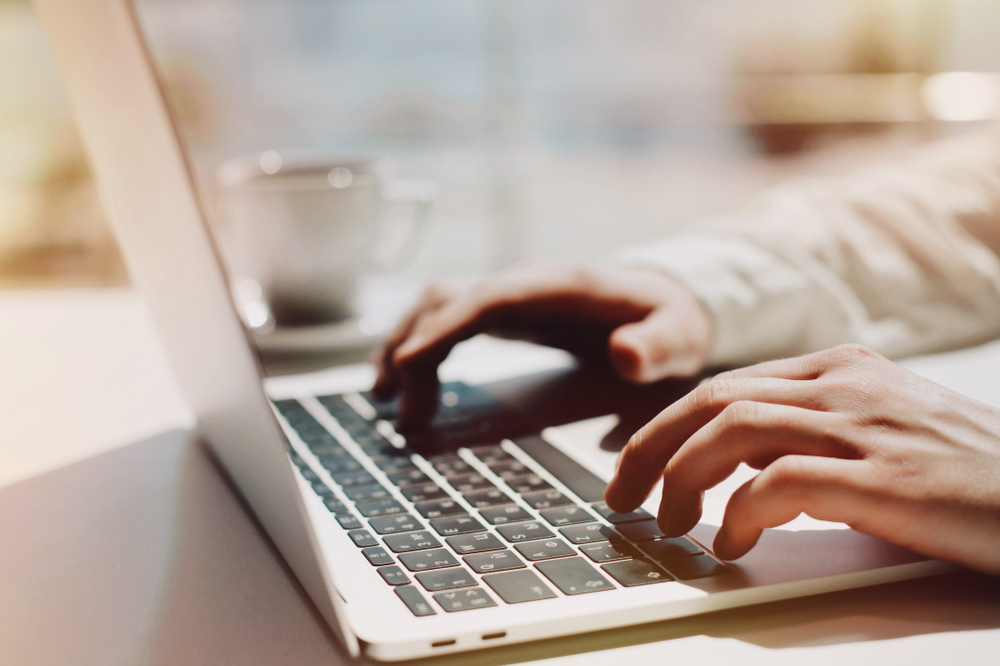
495, 534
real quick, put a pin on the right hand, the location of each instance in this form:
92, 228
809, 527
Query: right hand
650, 325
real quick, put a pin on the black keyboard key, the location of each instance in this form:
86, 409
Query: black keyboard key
589, 533
334, 464
574, 576
669, 549
354, 478
609, 551
544, 549
446, 579
414, 600
509, 469
546, 499
474, 543
524, 531
462, 600
423, 492
617, 518
501, 515
457, 525
484, 498
425, 560
322, 489
380, 507
393, 575
362, 538
440, 508
334, 505
449, 464
500, 560
697, 566
464, 483
491, 453
641, 531
588, 486
410, 541
369, 491
402, 522
636, 572
408, 476
567, 515
394, 463
377, 556
348, 521
310, 476
516, 587
528, 483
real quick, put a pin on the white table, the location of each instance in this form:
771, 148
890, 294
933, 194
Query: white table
145, 555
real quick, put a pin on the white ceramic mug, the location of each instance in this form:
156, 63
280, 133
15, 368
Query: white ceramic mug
298, 232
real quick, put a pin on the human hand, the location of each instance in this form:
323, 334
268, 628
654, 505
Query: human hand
650, 324
842, 435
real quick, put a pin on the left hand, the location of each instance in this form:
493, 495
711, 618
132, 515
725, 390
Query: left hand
843, 435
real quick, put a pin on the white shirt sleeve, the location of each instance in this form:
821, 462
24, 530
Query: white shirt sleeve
890, 257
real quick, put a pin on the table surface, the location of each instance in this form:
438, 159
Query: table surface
117, 552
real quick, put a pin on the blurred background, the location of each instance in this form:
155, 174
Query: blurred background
553, 128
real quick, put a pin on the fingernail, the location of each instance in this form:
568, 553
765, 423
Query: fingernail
410, 346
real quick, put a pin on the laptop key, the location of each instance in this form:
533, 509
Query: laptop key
501, 515
377, 556
379, 507
348, 521
524, 531
617, 518
393, 575
446, 579
567, 515
491, 453
355, 478
516, 587
509, 469
609, 551
697, 566
528, 483
461, 600
424, 492
457, 525
425, 560
369, 491
337, 464
414, 601
394, 463
474, 543
334, 505
546, 499
408, 476
449, 464
574, 576
484, 498
636, 572
669, 549
403, 522
497, 561
580, 480
440, 508
544, 550
641, 531
465, 483
578, 534
362, 538
404, 543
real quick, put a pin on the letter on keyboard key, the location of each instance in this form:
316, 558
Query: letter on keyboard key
348, 522
446, 579
402, 522
457, 525
609, 551
474, 543
426, 560
641, 531
423, 492
546, 499
496, 561
439, 508
574, 576
501, 515
484, 498
377, 556
414, 601
464, 600
567, 515
589, 533
393, 575
404, 543
381, 507
516, 587
545, 549
617, 518
362, 538
636, 572
524, 532
368, 491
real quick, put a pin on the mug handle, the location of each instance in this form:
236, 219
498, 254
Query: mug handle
399, 234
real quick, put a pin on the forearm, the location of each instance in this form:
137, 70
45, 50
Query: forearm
897, 258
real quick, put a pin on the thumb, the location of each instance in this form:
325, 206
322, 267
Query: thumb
659, 346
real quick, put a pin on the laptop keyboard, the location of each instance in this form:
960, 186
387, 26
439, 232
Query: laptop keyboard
483, 520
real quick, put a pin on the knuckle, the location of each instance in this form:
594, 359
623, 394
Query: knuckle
740, 416
787, 476
852, 354
711, 395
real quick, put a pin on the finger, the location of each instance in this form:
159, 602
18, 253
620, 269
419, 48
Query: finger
744, 432
644, 458
419, 391
810, 366
823, 488
656, 347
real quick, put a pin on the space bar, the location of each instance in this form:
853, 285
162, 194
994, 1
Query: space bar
587, 485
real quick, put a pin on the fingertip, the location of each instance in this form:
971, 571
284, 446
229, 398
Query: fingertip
728, 550
626, 356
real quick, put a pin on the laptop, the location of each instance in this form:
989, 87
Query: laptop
492, 531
